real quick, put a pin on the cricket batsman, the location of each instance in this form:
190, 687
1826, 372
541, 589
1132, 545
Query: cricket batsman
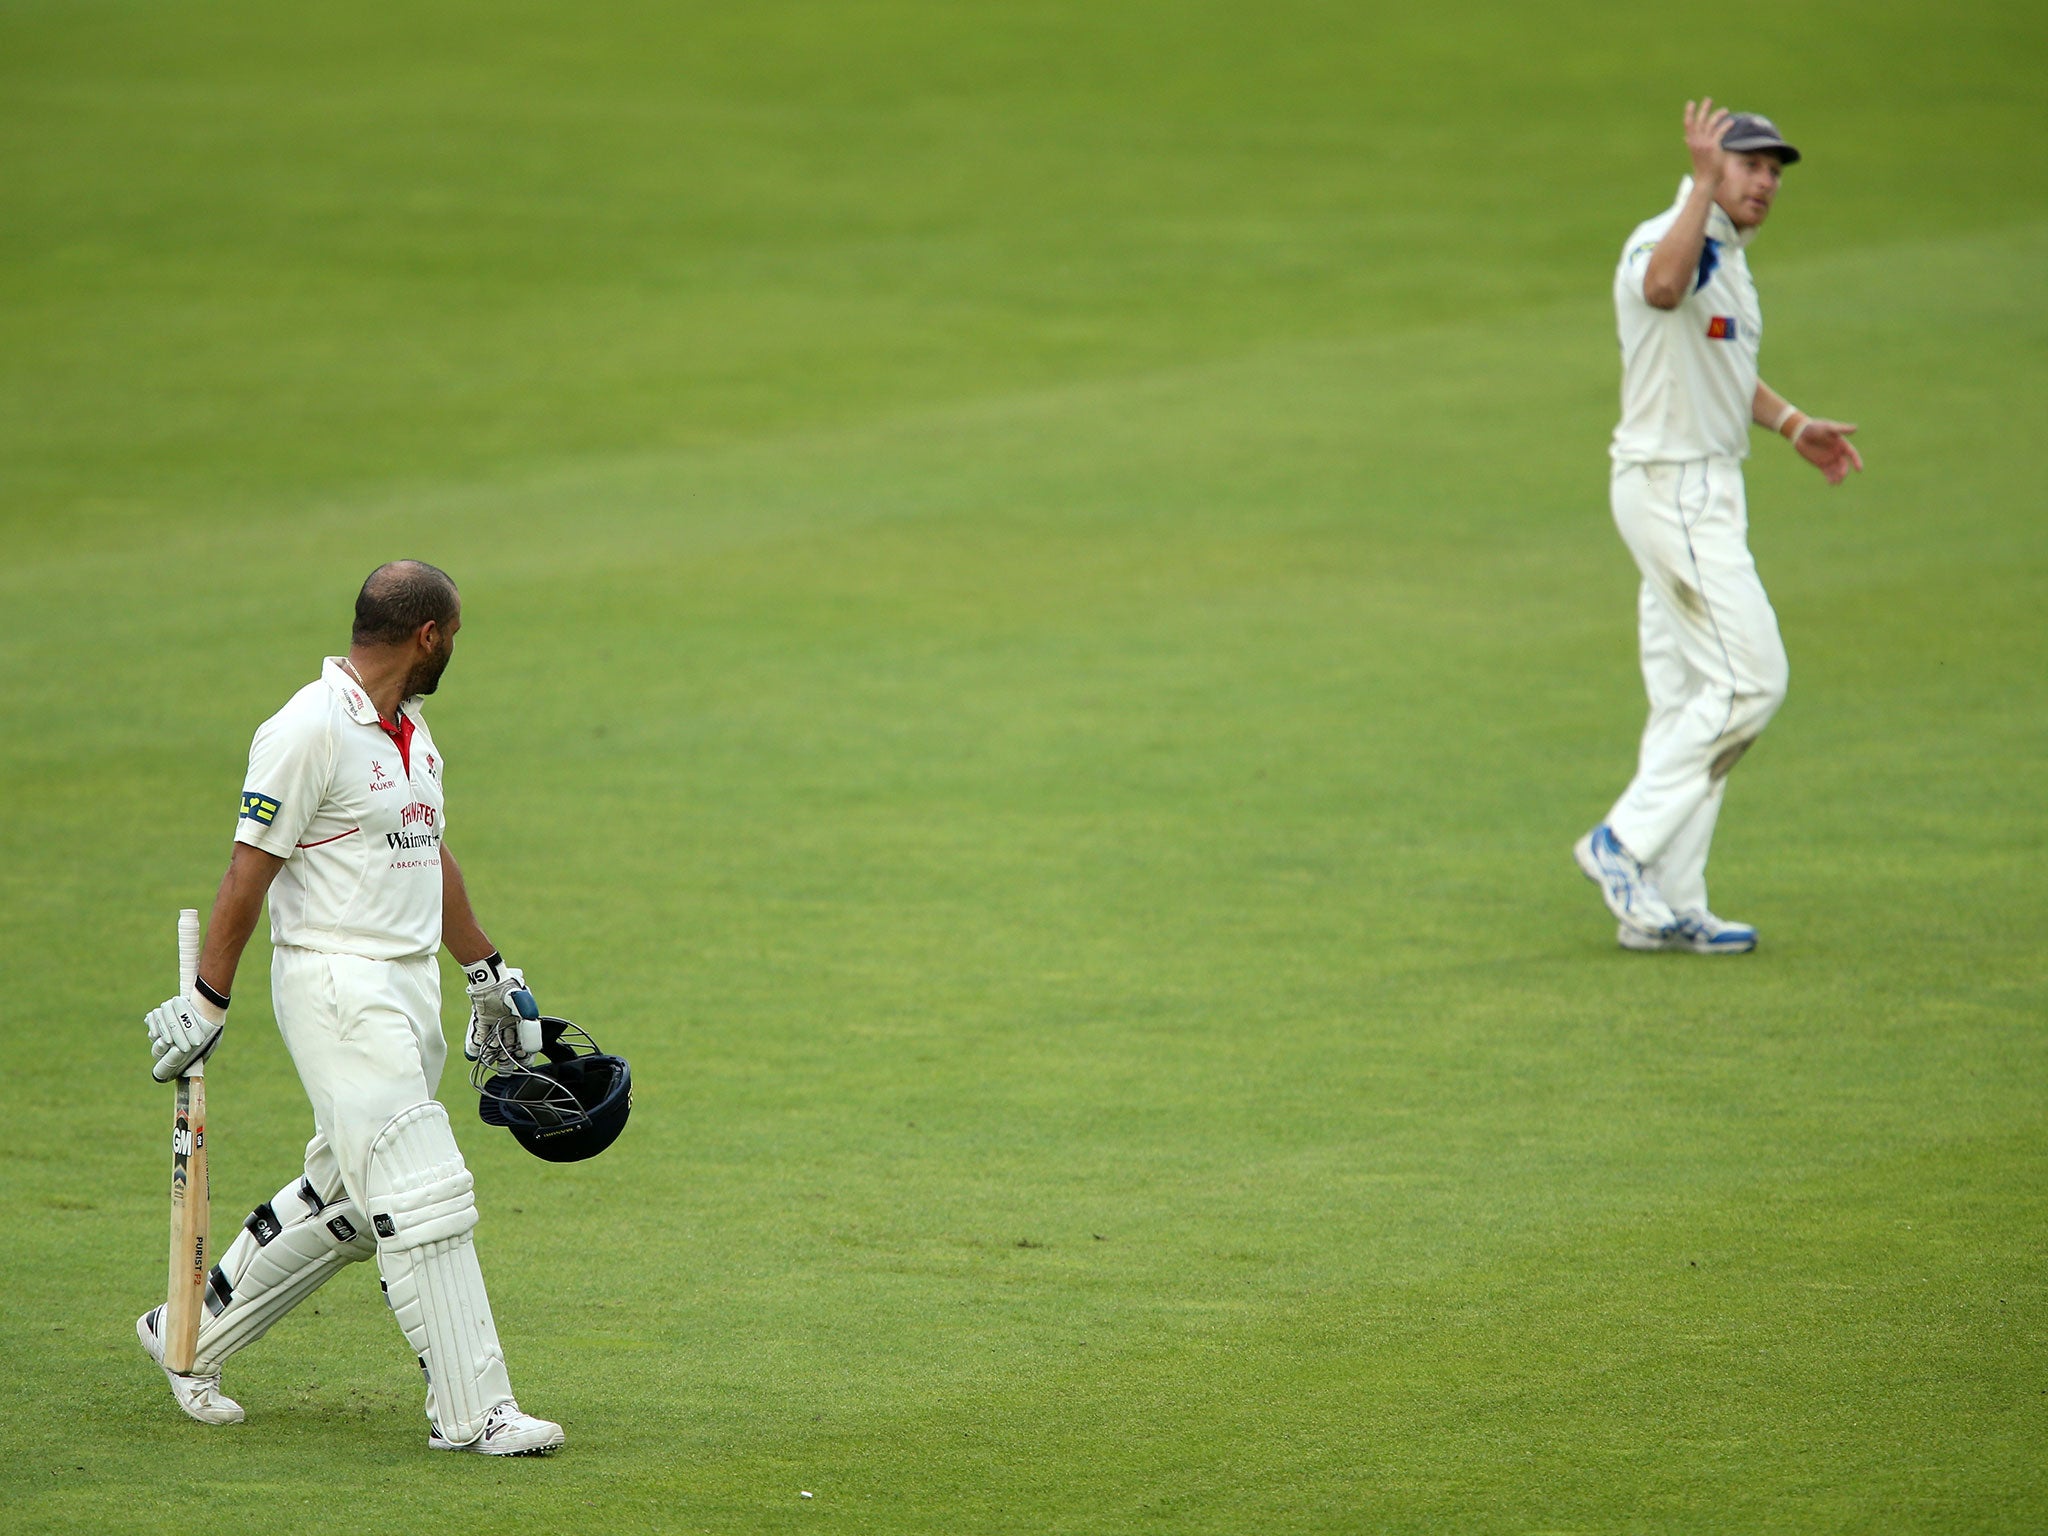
1713, 663
342, 827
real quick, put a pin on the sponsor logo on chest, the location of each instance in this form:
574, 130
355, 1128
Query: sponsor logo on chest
416, 828
380, 776
1721, 328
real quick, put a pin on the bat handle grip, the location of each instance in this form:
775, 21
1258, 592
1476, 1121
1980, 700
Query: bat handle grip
188, 968
188, 950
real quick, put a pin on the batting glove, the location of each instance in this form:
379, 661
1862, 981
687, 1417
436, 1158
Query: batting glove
183, 1030
499, 1028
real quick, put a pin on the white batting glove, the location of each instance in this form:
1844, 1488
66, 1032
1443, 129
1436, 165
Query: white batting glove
183, 1030
499, 1028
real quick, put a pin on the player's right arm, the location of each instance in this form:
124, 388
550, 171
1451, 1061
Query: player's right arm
290, 764
183, 1030
1674, 265
236, 906
187, 1029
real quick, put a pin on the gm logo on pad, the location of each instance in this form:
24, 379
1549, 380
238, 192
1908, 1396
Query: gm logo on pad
258, 808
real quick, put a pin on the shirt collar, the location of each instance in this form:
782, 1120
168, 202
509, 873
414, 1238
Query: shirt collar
351, 693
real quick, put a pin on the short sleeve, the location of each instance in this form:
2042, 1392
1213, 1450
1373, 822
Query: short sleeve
290, 763
1635, 262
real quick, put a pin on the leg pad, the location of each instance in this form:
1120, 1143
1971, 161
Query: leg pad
290, 1246
422, 1208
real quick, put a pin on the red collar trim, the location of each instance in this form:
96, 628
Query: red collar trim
401, 736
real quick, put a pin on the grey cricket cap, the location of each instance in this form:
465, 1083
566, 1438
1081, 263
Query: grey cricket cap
1751, 131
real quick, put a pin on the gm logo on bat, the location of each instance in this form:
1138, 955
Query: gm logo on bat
184, 1142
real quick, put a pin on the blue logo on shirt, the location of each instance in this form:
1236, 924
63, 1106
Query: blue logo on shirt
261, 809
1710, 258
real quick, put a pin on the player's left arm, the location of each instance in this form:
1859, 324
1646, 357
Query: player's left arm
495, 1021
460, 931
1822, 443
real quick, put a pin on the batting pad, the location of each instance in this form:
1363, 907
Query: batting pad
422, 1210
291, 1245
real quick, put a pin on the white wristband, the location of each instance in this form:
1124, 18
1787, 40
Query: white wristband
1801, 432
1784, 416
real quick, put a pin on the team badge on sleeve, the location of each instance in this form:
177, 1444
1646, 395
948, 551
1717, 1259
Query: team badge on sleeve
1721, 328
261, 809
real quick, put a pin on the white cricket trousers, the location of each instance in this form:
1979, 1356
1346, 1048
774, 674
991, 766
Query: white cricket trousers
1713, 662
366, 1038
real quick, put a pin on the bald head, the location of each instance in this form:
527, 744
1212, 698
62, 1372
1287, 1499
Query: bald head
398, 598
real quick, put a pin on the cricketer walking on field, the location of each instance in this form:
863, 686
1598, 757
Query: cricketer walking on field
342, 827
1713, 663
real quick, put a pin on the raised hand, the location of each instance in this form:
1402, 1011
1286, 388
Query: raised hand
1704, 126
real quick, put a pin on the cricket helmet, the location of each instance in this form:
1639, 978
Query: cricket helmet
567, 1103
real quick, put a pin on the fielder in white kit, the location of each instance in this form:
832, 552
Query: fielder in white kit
1713, 663
341, 826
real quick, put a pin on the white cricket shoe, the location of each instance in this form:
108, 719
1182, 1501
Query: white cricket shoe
199, 1396
507, 1432
1698, 931
1631, 895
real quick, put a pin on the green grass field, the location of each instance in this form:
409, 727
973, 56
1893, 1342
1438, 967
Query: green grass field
1040, 618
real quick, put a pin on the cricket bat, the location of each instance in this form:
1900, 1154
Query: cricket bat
191, 1194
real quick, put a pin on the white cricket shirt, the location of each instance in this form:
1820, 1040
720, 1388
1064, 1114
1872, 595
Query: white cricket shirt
1688, 375
358, 823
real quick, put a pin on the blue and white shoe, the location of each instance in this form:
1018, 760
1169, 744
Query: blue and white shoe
1631, 895
1699, 932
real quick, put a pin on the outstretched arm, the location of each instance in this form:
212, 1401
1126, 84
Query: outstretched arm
1822, 443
